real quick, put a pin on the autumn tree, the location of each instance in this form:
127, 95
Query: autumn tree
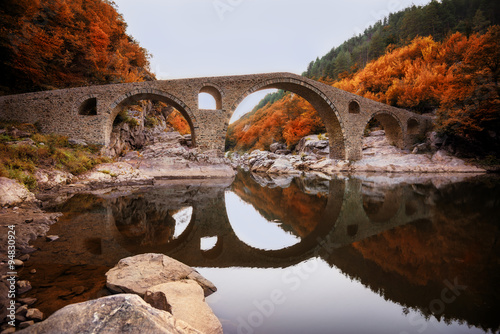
457, 78
48, 44
286, 120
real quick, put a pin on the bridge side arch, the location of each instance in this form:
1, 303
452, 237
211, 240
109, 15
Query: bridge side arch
149, 94
323, 105
215, 91
392, 125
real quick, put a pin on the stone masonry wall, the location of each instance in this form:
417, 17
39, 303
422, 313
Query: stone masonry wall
345, 114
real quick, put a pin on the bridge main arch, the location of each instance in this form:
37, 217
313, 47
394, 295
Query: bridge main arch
149, 94
324, 106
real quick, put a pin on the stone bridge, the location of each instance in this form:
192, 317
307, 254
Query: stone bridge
87, 113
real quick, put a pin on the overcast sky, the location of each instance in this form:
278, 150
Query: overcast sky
197, 38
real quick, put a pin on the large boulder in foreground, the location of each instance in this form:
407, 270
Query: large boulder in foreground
12, 193
185, 300
136, 274
123, 313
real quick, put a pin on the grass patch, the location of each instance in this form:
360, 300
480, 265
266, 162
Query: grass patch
20, 161
151, 121
124, 117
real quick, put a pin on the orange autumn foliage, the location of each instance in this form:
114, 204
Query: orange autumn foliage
457, 77
287, 120
178, 122
48, 44
299, 212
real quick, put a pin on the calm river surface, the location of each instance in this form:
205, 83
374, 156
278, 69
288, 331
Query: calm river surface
371, 254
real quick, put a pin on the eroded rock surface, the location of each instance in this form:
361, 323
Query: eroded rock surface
122, 313
169, 157
12, 193
185, 300
115, 173
136, 274
311, 155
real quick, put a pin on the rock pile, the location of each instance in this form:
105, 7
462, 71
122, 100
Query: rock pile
173, 301
311, 155
170, 157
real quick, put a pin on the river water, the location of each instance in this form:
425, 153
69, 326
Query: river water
364, 254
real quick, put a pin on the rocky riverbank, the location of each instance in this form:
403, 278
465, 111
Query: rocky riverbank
311, 155
169, 155
22, 212
153, 293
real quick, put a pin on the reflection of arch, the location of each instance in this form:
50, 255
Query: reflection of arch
215, 251
215, 92
323, 105
412, 126
150, 94
382, 209
354, 107
136, 248
392, 127
310, 242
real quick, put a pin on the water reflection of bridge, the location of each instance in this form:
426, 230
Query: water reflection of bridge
454, 237
354, 211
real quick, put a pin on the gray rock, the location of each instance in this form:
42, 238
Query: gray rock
261, 165
377, 133
23, 287
123, 313
282, 166
12, 193
116, 173
72, 141
34, 314
26, 324
312, 145
185, 300
136, 274
277, 146
283, 152
51, 178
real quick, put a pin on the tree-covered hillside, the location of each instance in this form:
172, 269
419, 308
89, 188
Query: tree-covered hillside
438, 19
47, 44
442, 58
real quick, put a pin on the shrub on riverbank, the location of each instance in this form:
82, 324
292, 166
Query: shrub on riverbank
23, 150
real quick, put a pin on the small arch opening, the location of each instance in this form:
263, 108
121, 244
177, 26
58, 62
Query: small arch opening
88, 107
354, 107
206, 101
382, 133
208, 243
209, 98
380, 204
